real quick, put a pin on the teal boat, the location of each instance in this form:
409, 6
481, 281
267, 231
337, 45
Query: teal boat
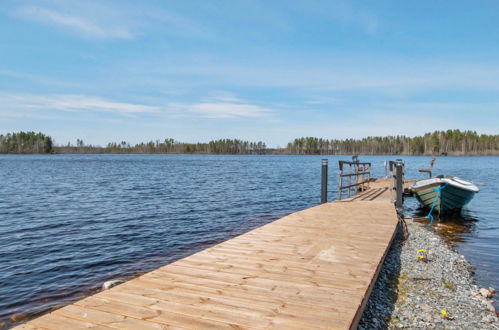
446, 194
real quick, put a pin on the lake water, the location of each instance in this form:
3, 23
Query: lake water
70, 222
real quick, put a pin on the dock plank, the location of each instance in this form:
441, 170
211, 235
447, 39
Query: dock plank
311, 269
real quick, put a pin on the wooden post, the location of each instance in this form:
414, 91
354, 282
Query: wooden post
349, 178
399, 179
324, 181
369, 176
340, 181
356, 172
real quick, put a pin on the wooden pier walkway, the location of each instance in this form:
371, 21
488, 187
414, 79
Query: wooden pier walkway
311, 269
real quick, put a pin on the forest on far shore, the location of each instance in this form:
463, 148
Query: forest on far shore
450, 142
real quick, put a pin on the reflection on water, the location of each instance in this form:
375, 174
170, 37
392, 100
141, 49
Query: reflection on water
452, 230
450, 226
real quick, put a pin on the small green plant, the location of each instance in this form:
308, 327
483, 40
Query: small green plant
448, 285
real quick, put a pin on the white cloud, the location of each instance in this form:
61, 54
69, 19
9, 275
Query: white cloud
71, 102
77, 102
393, 76
38, 79
321, 100
345, 12
224, 110
78, 24
224, 96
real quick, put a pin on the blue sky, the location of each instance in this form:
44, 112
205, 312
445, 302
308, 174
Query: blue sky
258, 70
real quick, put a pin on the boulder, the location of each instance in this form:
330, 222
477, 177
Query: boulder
486, 293
490, 306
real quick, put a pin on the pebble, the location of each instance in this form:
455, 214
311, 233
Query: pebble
109, 284
441, 293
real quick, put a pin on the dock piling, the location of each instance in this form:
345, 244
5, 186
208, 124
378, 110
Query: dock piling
324, 181
399, 181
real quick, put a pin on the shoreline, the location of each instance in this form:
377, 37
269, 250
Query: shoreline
248, 154
439, 293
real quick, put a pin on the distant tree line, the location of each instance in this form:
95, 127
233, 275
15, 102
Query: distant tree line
222, 146
450, 142
25, 143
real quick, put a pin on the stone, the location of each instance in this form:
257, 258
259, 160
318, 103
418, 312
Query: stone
491, 307
485, 293
109, 284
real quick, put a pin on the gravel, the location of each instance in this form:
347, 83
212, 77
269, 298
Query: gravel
415, 292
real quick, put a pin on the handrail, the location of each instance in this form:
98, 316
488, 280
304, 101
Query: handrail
341, 162
356, 169
354, 174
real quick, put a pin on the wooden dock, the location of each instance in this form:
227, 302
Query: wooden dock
311, 269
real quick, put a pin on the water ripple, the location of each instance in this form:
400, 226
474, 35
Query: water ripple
70, 222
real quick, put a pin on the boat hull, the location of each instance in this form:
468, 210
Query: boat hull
450, 200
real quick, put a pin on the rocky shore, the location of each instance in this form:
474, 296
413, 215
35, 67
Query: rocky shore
425, 284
